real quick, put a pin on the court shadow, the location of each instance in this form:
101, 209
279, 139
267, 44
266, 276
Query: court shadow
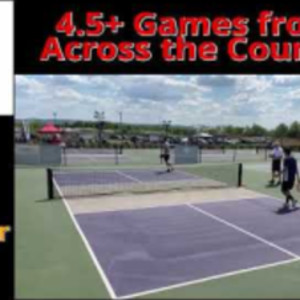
45, 200
269, 186
161, 172
285, 211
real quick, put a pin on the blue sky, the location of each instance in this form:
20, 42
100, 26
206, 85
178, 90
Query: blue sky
184, 99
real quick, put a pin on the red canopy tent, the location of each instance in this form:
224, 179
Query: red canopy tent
51, 133
49, 128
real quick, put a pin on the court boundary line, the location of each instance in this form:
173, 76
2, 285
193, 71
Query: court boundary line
128, 176
242, 230
178, 204
260, 196
87, 245
211, 278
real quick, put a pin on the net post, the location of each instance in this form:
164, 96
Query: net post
240, 175
50, 184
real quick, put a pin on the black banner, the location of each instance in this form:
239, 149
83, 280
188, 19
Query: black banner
171, 37
7, 209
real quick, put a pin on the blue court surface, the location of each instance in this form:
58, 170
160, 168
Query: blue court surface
144, 250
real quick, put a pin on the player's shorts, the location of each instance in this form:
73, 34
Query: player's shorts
276, 165
287, 186
166, 157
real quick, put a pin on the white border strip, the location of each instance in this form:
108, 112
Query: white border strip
87, 245
211, 278
128, 176
240, 229
6, 58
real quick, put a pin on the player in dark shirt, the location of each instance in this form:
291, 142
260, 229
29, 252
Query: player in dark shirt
289, 175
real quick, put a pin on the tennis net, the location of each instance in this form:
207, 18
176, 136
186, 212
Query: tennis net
79, 182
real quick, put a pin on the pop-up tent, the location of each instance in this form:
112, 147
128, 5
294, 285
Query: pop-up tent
50, 134
49, 128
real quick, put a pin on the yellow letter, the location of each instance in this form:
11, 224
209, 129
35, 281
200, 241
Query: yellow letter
3, 231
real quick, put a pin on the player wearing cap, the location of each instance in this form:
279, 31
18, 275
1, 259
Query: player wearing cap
276, 155
289, 175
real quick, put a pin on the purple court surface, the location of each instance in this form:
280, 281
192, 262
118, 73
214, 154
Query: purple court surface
116, 177
147, 249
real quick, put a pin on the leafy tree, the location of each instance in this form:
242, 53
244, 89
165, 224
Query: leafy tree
257, 130
294, 130
281, 131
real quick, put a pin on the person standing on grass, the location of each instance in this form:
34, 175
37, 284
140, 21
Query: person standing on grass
165, 154
289, 175
277, 156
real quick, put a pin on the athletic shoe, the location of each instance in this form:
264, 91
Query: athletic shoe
294, 203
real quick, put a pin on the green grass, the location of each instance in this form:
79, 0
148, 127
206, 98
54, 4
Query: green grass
52, 262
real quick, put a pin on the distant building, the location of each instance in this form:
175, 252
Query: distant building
203, 138
154, 137
255, 140
74, 137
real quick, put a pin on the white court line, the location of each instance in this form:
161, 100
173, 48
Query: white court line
210, 278
240, 229
128, 176
87, 245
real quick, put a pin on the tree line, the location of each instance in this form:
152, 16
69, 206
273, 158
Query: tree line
280, 131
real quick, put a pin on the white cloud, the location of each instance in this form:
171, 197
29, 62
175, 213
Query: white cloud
285, 79
192, 100
29, 85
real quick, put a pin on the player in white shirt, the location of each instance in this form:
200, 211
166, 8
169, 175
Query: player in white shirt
165, 155
277, 156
